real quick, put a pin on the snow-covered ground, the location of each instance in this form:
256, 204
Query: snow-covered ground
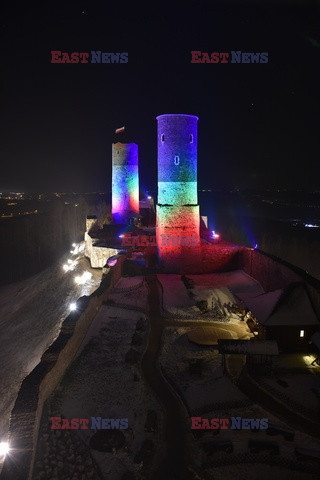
252, 471
237, 281
295, 387
200, 392
31, 314
101, 383
131, 292
175, 294
217, 290
128, 283
241, 463
213, 393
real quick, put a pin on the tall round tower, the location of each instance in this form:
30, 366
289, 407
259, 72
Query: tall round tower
178, 220
125, 181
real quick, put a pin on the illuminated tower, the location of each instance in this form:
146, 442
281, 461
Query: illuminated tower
125, 181
177, 208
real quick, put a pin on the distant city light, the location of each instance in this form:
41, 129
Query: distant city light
73, 307
69, 261
4, 448
65, 267
121, 236
301, 333
256, 246
74, 245
215, 235
311, 225
149, 198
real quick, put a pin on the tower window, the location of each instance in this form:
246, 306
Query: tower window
176, 159
162, 138
301, 333
191, 138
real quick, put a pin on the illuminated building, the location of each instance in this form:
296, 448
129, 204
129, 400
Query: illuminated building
177, 208
125, 181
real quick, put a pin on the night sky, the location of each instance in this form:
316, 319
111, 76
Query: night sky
258, 123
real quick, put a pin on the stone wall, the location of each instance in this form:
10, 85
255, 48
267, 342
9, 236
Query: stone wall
272, 273
219, 258
41, 382
298, 246
97, 255
202, 259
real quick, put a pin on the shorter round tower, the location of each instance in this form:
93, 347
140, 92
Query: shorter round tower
125, 181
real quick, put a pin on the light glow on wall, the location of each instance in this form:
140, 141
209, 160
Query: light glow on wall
125, 181
4, 448
177, 207
112, 261
71, 265
82, 279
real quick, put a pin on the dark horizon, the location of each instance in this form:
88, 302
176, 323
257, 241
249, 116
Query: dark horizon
257, 122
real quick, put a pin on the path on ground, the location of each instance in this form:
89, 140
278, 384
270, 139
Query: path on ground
174, 464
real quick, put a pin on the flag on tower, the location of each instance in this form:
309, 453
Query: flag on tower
120, 130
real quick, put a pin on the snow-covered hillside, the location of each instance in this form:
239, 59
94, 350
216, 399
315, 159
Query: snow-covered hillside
31, 314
